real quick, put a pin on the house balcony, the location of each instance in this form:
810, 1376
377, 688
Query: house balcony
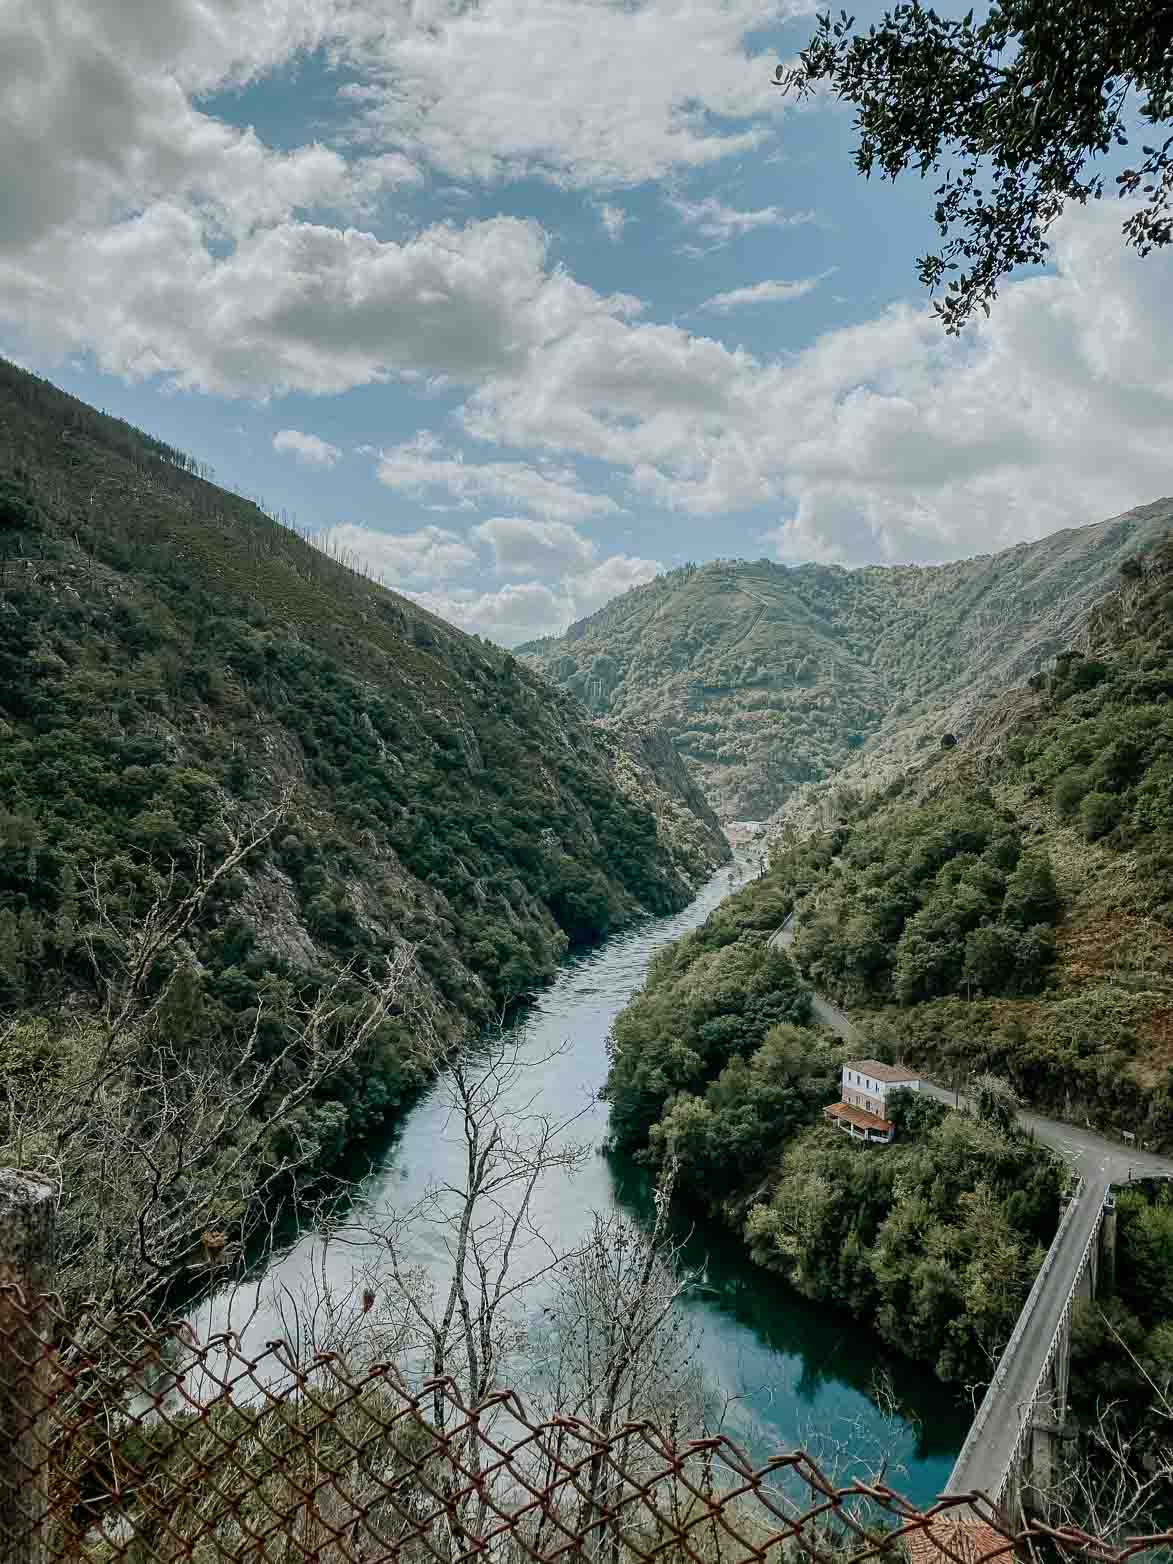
859, 1124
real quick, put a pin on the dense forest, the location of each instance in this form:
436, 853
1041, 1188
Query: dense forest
1008, 906
778, 681
934, 1240
183, 678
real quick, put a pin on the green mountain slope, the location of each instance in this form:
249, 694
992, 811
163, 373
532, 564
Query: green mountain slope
1008, 906
171, 658
770, 677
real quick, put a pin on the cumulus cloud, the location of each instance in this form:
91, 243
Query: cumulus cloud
308, 449
540, 548
885, 440
715, 221
297, 306
584, 93
775, 291
563, 576
424, 466
406, 560
524, 610
98, 121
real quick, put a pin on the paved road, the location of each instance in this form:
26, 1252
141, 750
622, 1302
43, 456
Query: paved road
1101, 1162
824, 1011
1090, 1153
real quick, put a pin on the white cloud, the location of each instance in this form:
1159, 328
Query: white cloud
540, 548
614, 220
524, 610
715, 221
308, 449
297, 306
565, 579
885, 440
97, 119
585, 93
423, 465
404, 560
775, 291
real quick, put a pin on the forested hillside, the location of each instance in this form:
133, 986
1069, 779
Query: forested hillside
1009, 906
1005, 910
177, 670
716, 1074
771, 677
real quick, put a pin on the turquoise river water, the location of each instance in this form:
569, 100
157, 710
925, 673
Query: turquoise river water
790, 1372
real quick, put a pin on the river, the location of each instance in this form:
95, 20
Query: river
796, 1370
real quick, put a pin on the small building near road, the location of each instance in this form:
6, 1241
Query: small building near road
863, 1111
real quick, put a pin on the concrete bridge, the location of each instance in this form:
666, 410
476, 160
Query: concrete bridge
1013, 1450
1014, 1446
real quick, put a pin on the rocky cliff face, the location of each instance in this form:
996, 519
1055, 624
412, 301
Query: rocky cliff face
649, 771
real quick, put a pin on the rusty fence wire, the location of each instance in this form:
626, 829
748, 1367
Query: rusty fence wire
126, 1440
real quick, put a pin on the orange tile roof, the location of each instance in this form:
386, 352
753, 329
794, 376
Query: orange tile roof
858, 1117
948, 1538
881, 1072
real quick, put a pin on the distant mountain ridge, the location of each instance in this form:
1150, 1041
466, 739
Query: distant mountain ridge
770, 676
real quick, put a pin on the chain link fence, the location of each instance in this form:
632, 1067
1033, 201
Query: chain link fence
121, 1439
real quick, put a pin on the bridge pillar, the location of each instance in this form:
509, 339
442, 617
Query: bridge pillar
1043, 1450
1107, 1248
1046, 1449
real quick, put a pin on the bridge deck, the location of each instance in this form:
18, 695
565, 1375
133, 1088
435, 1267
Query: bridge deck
1102, 1161
985, 1458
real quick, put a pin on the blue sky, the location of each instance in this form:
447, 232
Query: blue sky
523, 301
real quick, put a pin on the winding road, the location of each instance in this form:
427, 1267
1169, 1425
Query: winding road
1093, 1155
987, 1454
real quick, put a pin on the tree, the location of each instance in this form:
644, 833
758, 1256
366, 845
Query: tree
1099, 814
995, 1102
991, 954
1031, 893
1012, 110
168, 1161
624, 1352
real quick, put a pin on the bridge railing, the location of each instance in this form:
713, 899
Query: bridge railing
977, 1428
1053, 1345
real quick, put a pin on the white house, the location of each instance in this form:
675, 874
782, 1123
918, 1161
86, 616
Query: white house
865, 1089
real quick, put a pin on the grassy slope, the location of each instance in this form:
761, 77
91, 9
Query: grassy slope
169, 655
770, 677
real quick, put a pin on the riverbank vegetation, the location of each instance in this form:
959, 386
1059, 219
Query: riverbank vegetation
934, 1240
715, 1074
1007, 907
691, 1039
237, 776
